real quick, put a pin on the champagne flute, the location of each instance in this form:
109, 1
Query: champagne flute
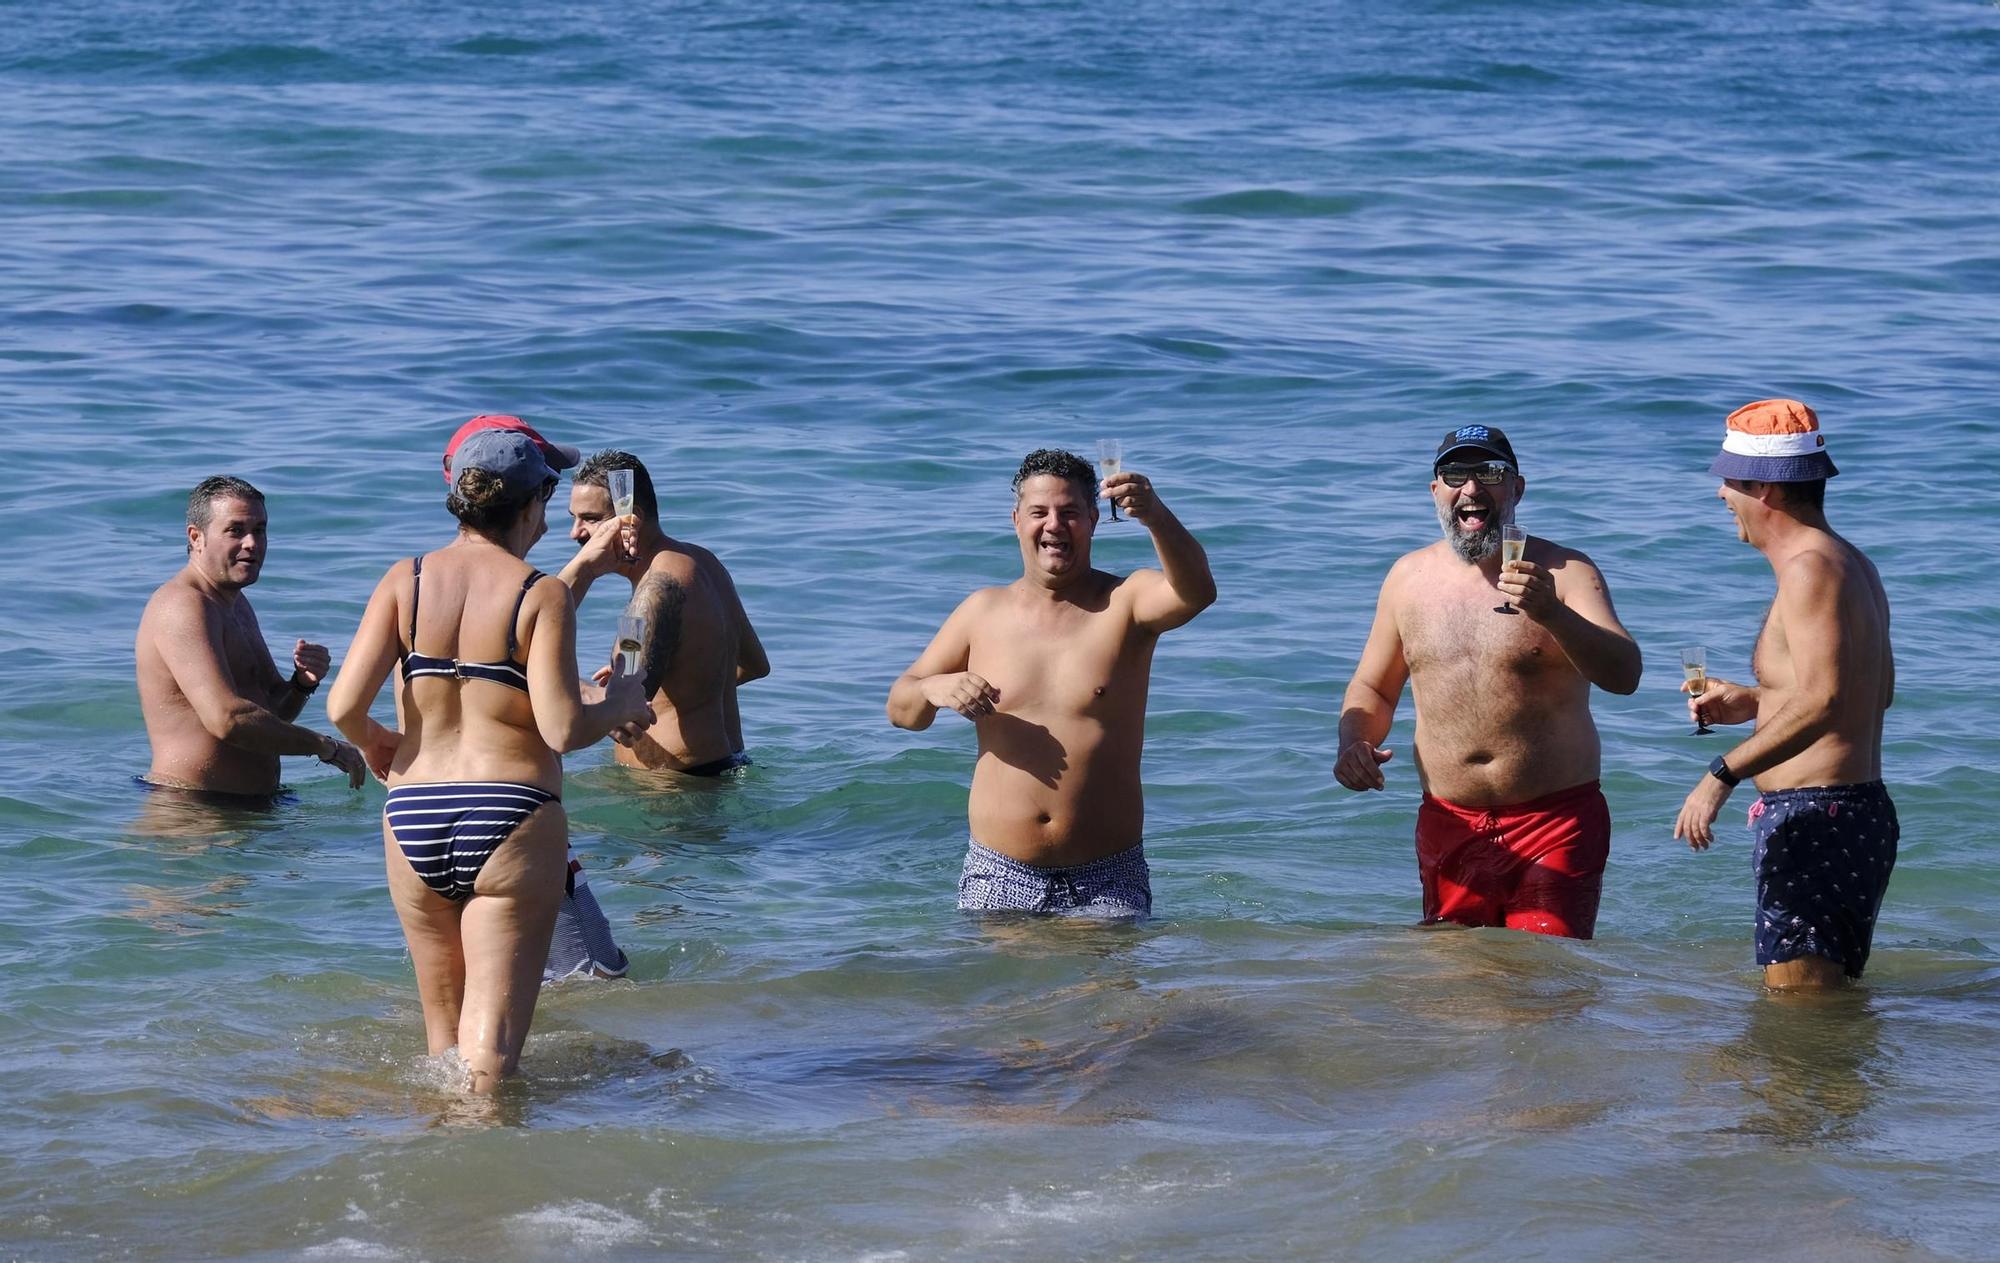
620, 481
1694, 667
1110, 461
631, 642
621, 491
1513, 547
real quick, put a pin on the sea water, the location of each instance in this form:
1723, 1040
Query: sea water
831, 269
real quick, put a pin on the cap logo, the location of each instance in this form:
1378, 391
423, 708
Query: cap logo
1478, 433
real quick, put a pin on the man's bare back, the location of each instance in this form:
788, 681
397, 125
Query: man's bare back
1850, 750
690, 662
748, 661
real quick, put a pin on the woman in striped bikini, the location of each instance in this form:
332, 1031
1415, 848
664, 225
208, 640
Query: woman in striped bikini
474, 830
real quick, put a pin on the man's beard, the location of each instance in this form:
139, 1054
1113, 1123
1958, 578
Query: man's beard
1472, 547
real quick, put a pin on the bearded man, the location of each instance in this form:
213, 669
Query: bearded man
1513, 830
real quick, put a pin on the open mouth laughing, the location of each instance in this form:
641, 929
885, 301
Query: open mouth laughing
1472, 527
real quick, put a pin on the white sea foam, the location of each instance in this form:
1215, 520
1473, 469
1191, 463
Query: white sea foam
446, 1072
579, 1225
1089, 1205
350, 1248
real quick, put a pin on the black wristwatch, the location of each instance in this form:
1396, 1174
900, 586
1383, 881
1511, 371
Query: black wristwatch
1720, 771
297, 687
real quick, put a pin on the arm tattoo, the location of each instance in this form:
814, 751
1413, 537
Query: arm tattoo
661, 602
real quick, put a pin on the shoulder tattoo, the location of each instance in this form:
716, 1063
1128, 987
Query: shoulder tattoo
661, 601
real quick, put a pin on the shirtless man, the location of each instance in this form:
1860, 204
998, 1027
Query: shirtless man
1053, 669
217, 712
1513, 830
700, 646
1824, 825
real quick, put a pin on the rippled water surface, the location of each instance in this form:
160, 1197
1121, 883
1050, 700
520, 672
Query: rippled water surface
831, 269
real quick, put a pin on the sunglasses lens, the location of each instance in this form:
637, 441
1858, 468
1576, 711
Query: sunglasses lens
1489, 475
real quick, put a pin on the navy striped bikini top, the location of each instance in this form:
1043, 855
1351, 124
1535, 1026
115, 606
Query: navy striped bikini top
418, 665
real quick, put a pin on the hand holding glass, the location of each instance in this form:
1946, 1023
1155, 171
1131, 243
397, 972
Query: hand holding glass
631, 643
1110, 461
1694, 667
1513, 547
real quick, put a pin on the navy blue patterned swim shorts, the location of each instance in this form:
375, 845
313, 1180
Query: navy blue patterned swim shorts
1116, 886
1823, 859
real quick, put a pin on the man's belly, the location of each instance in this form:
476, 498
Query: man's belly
1057, 816
1507, 765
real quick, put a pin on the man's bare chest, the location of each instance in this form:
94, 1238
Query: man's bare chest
1068, 664
1454, 632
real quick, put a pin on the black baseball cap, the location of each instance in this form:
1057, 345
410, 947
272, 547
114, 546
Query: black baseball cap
1487, 440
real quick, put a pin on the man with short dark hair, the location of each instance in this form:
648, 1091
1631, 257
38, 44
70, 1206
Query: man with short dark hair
1825, 827
700, 646
218, 714
1052, 670
1513, 830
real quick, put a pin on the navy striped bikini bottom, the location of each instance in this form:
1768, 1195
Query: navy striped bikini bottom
449, 829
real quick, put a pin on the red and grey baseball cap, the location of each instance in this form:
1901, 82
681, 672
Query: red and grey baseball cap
555, 455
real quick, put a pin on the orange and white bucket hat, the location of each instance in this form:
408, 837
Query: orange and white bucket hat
1773, 440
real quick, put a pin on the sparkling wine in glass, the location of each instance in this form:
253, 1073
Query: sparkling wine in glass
620, 481
1110, 462
1513, 547
1694, 667
631, 643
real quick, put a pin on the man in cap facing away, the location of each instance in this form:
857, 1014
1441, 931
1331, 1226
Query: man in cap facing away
1513, 830
1824, 826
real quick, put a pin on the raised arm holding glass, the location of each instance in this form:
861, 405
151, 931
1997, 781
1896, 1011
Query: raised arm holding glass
1052, 670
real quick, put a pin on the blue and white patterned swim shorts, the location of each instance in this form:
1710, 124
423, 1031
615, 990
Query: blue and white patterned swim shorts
581, 944
1116, 886
1823, 859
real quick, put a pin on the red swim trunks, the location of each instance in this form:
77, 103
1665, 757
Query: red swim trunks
1535, 866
